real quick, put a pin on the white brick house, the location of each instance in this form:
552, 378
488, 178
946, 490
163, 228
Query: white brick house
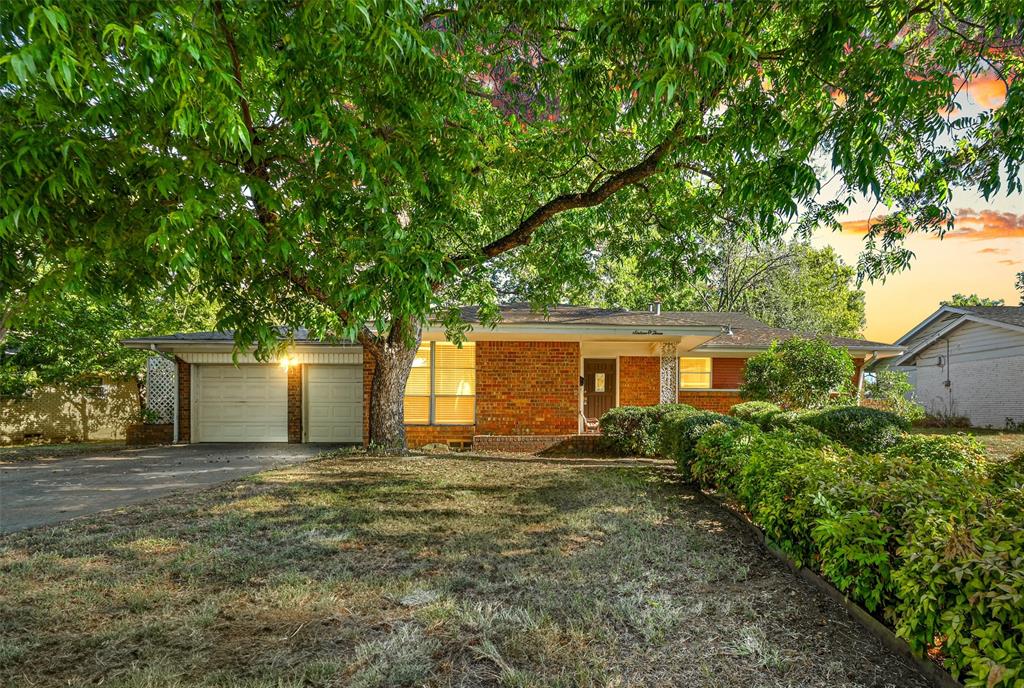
969, 362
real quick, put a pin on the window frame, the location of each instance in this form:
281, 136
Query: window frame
432, 397
710, 374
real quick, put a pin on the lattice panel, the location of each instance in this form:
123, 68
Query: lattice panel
669, 375
161, 387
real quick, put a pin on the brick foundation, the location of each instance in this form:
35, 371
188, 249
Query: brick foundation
295, 404
527, 388
534, 444
719, 402
184, 401
452, 435
639, 380
140, 435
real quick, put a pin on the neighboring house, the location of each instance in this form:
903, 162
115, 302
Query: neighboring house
968, 361
60, 413
528, 383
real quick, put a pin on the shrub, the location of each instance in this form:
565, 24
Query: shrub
634, 430
756, 412
860, 428
890, 390
680, 432
798, 373
960, 453
929, 535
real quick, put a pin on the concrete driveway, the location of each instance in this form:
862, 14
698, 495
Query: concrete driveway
43, 492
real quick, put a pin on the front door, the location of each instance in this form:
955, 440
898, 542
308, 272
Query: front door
598, 386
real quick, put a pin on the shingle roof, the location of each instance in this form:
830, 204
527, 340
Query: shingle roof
760, 337
521, 314
299, 335
1011, 315
744, 331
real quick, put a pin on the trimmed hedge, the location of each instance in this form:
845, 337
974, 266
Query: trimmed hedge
681, 431
858, 427
926, 534
634, 430
759, 413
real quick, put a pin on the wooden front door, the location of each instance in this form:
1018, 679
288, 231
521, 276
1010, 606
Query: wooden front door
598, 386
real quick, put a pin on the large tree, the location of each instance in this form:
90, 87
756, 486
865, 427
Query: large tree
356, 166
784, 284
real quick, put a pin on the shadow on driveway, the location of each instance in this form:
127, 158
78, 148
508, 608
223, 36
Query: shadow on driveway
35, 493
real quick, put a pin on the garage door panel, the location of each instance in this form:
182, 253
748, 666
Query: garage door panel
248, 403
334, 403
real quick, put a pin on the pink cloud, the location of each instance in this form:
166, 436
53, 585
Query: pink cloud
968, 223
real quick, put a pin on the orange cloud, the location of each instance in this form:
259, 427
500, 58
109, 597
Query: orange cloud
998, 251
1010, 261
967, 224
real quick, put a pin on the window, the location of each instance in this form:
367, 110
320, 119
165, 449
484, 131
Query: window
442, 385
694, 373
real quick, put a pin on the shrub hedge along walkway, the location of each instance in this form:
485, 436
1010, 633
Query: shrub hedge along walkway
439, 571
926, 532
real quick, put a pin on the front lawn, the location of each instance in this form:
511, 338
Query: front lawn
1001, 445
443, 571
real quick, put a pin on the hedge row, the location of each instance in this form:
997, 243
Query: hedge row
858, 427
923, 531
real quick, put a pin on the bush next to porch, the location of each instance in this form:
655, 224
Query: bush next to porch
927, 534
681, 431
634, 430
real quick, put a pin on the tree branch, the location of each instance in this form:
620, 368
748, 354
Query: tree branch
630, 176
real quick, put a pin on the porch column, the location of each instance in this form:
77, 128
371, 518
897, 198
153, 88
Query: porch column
669, 374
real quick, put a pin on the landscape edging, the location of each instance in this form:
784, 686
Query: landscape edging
938, 676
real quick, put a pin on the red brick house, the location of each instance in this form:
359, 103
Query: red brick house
528, 383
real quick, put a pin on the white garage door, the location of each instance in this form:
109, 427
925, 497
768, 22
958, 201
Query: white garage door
334, 403
244, 404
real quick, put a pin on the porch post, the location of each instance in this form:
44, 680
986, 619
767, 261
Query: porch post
669, 374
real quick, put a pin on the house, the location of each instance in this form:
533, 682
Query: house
968, 361
528, 383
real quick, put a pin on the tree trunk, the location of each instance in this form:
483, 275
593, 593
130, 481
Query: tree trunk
393, 356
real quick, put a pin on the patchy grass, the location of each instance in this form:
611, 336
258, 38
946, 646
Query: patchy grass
439, 571
23, 452
1001, 444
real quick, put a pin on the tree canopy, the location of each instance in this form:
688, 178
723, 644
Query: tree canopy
75, 341
338, 164
784, 284
961, 300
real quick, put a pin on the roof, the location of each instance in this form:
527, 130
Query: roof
301, 336
731, 330
563, 314
761, 337
1008, 315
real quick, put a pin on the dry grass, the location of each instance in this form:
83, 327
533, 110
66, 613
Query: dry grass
1001, 444
439, 571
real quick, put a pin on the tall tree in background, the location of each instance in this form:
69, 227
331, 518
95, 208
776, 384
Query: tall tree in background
962, 300
355, 166
75, 341
783, 284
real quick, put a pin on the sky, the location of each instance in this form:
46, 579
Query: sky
981, 255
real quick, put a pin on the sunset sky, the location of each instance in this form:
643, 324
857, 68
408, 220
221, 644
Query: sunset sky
981, 255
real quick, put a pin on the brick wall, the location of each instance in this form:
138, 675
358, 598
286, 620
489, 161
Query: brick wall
527, 388
639, 380
184, 401
727, 373
139, 435
720, 402
295, 404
